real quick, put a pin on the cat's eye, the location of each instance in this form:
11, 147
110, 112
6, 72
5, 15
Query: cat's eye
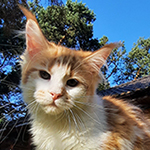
72, 82
44, 75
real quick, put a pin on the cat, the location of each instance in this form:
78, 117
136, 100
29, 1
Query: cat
59, 86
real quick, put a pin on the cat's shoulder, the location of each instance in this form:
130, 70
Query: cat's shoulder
115, 107
127, 124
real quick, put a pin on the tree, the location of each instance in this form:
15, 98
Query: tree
136, 63
10, 49
73, 23
113, 66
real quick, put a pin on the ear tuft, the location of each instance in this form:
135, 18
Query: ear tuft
118, 44
35, 40
27, 13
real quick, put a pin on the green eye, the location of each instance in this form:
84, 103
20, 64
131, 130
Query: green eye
72, 82
44, 75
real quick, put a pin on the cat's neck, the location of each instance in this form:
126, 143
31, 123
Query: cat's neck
73, 128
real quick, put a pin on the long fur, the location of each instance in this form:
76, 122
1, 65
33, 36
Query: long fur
77, 118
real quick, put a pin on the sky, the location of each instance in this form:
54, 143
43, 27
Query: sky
120, 20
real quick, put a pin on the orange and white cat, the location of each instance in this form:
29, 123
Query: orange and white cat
59, 86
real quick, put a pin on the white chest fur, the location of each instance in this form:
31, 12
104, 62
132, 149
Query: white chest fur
85, 133
50, 139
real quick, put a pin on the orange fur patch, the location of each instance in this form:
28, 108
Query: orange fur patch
123, 119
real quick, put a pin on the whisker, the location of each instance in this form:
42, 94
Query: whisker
88, 104
87, 114
59, 117
8, 114
19, 133
36, 108
7, 122
24, 132
96, 106
9, 131
30, 104
80, 120
74, 119
5, 105
64, 116
68, 116
3, 128
33, 106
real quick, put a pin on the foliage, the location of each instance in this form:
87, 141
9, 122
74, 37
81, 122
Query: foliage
10, 49
136, 63
113, 67
73, 23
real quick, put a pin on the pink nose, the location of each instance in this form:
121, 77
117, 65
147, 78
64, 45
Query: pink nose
55, 96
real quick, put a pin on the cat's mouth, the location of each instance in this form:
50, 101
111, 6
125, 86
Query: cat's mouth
51, 105
52, 109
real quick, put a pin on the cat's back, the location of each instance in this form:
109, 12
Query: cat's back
128, 127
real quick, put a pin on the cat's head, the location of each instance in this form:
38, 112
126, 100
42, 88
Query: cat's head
56, 78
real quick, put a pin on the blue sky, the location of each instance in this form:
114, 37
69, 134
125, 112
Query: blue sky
124, 20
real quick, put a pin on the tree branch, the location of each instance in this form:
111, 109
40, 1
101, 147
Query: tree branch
112, 72
67, 32
137, 74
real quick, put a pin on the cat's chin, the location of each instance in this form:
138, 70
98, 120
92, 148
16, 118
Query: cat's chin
51, 109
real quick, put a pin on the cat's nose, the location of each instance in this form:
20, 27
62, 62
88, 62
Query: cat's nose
55, 95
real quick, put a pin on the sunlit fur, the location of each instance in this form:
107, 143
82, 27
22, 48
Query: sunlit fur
78, 119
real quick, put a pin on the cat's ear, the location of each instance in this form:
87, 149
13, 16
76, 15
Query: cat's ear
98, 58
35, 40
